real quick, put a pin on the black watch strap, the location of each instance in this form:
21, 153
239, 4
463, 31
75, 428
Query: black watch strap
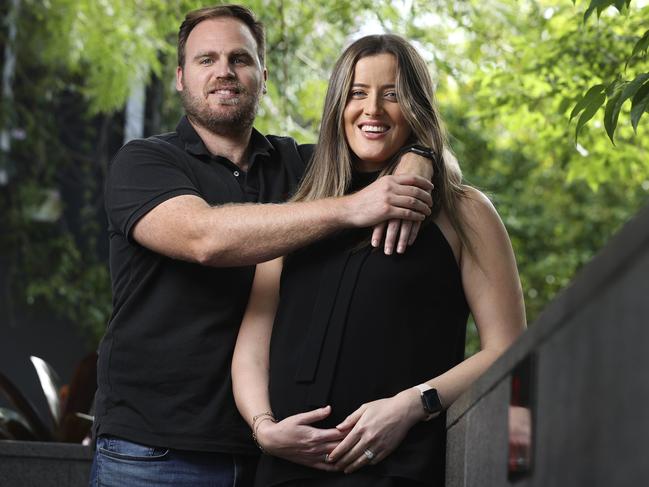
420, 150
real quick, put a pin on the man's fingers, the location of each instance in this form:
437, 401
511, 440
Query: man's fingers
414, 232
377, 234
391, 235
414, 192
413, 180
406, 228
410, 203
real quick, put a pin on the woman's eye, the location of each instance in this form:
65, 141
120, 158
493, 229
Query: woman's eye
357, 93
392, 95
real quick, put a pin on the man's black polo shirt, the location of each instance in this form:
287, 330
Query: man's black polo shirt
164, 363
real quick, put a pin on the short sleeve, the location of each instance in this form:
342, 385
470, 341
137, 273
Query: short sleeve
306, 153
143, 174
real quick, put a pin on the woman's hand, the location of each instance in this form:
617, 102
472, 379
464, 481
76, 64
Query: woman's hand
375, 429
294, 439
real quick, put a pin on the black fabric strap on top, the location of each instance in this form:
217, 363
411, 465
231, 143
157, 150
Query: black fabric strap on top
327, 329
322, 311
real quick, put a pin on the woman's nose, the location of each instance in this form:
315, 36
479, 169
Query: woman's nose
373, 105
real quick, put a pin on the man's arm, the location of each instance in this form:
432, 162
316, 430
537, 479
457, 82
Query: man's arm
395, 233
187, 228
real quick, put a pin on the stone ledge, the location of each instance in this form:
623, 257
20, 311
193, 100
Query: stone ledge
51, 450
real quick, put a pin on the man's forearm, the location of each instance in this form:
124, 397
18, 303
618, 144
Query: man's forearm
245, 234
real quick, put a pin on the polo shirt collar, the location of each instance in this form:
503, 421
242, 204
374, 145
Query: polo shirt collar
259, 145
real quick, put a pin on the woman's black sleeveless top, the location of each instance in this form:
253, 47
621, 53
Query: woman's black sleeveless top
354, 325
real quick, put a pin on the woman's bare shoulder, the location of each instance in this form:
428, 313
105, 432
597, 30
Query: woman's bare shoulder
481, 220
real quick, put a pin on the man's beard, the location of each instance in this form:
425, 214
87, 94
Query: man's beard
234, 119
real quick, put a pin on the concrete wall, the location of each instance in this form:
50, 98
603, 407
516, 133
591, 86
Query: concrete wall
589, 388
31, 463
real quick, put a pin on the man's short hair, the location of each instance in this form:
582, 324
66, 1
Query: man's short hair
238, 12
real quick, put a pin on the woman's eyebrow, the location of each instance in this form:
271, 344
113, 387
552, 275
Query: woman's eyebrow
363, 85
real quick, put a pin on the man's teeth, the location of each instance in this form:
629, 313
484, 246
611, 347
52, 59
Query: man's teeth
225, 92
374, 128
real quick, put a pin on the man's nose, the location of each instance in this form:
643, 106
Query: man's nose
223, 69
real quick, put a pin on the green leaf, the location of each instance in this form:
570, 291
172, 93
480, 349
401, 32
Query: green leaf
611, 114
600, 5
591, 94
639, 105
620, 96
620, 4
589, 112
641, 45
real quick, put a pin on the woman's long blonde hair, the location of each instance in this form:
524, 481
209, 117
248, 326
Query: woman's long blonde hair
330, 171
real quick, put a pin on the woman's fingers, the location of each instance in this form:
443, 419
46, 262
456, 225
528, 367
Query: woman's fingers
323, 466
368, 457
343, 448
349, 422
312, 416
359, 455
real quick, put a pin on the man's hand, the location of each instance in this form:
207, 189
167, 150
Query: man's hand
400, 232
294, 439
390, 197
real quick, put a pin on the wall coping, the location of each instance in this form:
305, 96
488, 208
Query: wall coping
39, 449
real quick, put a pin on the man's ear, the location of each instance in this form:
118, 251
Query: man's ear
179, 79
264, 89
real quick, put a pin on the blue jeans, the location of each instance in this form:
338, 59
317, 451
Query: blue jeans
121, 463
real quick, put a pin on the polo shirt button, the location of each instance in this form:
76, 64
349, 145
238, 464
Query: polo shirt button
236, 174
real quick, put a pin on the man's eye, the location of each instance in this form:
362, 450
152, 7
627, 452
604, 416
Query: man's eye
240, 60
206, 61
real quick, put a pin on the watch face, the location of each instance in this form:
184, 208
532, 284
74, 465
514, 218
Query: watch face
431, 401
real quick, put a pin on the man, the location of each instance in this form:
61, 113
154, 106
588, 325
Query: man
184, 231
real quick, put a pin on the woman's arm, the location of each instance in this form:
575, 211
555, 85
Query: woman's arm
493, 291
293, 438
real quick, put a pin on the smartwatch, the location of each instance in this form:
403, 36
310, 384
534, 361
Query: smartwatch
430, 401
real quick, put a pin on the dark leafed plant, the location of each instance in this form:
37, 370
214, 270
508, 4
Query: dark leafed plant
614, 94
68, 405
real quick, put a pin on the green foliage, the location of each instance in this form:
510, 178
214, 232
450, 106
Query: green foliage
525, 88
623, 87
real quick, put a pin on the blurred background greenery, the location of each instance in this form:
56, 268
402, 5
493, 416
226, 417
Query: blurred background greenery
516, 81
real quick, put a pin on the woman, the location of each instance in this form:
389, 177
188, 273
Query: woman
364, 344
